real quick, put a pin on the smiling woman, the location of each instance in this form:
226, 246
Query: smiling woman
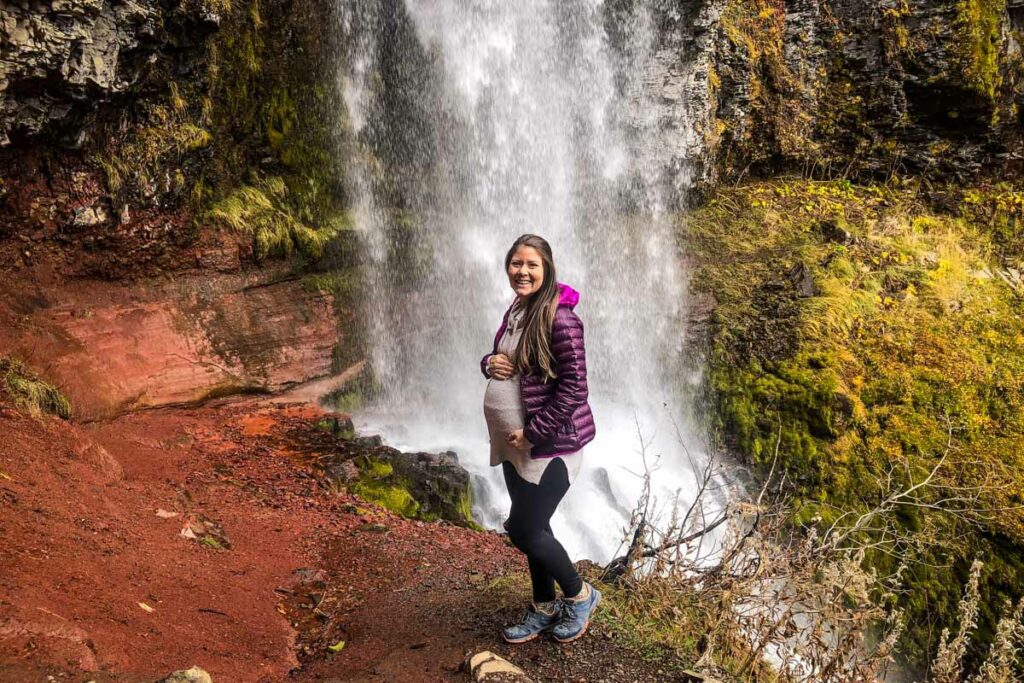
539, 420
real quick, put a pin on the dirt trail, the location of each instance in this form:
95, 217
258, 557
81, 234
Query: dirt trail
96, 576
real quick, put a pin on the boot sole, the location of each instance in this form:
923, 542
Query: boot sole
585, 626
527, 639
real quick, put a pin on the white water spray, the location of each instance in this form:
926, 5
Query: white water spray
499, 118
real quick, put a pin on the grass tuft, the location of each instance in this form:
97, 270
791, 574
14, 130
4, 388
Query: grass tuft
30, 392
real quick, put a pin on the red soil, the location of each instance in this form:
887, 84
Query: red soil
95, 585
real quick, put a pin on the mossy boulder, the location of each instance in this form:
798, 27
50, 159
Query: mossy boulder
426, 486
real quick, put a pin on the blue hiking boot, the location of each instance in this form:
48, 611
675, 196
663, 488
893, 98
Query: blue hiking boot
534, 623
576, 616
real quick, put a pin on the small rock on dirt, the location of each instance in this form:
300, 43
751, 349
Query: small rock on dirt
487, 667
193, 675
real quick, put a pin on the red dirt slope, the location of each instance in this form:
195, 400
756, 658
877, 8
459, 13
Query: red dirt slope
93, 579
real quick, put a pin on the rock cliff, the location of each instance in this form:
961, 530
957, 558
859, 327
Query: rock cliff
842, 87
173, 228
60, 59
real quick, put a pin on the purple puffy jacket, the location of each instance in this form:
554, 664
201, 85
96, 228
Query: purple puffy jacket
558, 417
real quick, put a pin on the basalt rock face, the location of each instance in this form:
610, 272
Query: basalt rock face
843, 87
60, 58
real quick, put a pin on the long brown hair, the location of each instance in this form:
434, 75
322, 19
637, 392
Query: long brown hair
534, 349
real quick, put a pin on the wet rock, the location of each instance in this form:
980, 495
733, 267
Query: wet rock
427, 486
443, 459
369, 441
437, 481
338, 474
827, 87
193, 675
340, 426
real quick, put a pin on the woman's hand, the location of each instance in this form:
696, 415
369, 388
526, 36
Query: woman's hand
517, 440
500, 367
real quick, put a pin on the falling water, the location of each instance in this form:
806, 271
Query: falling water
477, 121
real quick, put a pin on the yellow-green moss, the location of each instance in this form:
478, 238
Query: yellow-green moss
166, 133
980, 43
263, 211
913, 329
343, 285
30, 392
394, 498
252, 145
999, 209
895, 35
377, 484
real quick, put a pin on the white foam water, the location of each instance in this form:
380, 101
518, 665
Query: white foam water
536, 119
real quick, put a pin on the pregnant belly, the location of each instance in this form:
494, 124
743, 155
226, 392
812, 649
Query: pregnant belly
502, 408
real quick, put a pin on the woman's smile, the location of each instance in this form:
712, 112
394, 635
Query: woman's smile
526, 271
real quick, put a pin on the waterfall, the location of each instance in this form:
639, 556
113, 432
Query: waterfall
480, 120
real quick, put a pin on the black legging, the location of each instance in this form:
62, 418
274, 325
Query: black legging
529, 527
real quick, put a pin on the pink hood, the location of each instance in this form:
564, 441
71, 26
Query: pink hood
567, 296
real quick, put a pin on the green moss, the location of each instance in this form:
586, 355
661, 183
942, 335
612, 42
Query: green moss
344, 285
250, 144
211, 542
30, 392
377, 469
356, 392
394, 498
344, 400
396, 489
980, 43
999, 210
165, 136
465, 507
263, 211
895, 33
914, 333
377, 484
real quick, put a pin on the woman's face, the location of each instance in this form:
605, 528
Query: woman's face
526, 271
